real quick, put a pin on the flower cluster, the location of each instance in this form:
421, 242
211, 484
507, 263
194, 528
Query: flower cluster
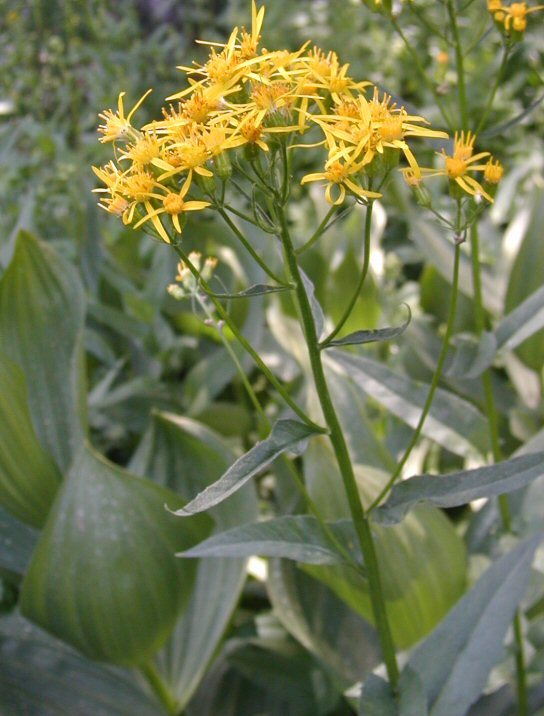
246, 101
512, 18
458, 165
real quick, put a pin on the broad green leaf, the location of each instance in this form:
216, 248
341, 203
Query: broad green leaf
185, 456
372, 336
252, 677
459, 488
452, 422
297, 537
377, 698
285, 435
344, 642
526, 278
455, 660
522, 322
423, 562
17, 542
103, 576
256, 290
28, 476
42, 309
41, 676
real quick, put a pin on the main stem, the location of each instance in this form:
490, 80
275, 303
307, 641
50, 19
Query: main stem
492, 417
360, 521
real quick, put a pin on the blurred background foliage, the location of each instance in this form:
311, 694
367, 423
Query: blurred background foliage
62, 63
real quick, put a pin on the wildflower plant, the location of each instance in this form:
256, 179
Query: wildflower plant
251, 134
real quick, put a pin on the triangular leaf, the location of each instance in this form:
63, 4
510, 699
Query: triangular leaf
372, 336
459, 488
103, 576
297, 537
455, 660
257, 289
42, 309
286, 435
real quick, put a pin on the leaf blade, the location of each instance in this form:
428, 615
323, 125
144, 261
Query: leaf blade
460, 488
285, 435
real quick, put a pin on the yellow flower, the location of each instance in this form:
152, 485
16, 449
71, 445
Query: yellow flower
173, 204
513, 16
493, 171
338, 175
116, 126
462, 161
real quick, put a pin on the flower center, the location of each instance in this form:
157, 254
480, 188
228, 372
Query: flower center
173, 204
455, 167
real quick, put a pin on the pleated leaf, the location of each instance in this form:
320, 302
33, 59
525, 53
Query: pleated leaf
42, 309
41, 676
103, 576
28, 476
454, 662
459, 488
452, 422
285, 435
184, 456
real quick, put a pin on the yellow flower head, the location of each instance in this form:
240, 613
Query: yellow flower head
116, 126
493, 171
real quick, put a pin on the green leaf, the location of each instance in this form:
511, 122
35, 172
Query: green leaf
470, 357
42, 309
185, 456
285, 435
412, 699
455, 660
523, 322
377, 698
41, 676
371, 336
17, 542
103, 576
297, 537
526, 278
459, 488
422, 560
257, 289
452, 422
322, 623
28, 476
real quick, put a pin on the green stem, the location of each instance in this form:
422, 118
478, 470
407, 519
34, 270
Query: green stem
434, 382
318, 232
361, 523
266, 424
245, 344
498, 79
493, 422
358, 288
423, 74
254, 255
461, 88
153, 678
